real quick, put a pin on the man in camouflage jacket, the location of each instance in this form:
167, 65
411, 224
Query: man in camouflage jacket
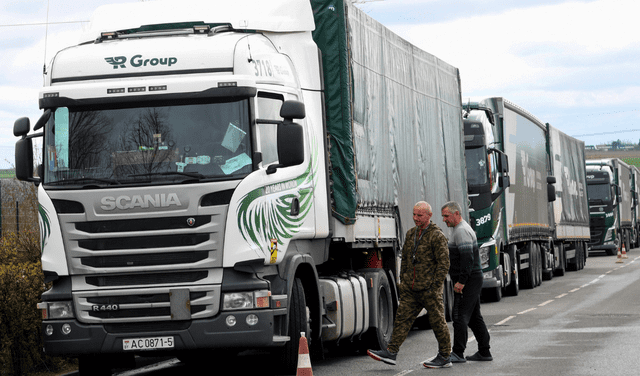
425, 264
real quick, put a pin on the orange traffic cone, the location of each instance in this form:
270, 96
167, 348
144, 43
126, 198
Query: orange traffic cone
304, 360
620, 260
624, 252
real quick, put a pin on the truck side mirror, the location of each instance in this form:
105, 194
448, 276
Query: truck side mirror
504, 163
290, 144
24, 160
290, 136
292, 110
21, 127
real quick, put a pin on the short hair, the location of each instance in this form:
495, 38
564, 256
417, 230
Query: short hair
452, 206
425, 205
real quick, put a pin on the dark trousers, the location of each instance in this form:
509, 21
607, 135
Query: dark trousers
466, 313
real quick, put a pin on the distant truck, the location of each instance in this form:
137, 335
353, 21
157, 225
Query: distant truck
226, 175
612, 201
635, 207
513, 163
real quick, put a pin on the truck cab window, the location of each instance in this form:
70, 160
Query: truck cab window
154, 143
269, 105
476, 160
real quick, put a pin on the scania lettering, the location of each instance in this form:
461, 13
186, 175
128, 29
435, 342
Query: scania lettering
247, 197
146, 201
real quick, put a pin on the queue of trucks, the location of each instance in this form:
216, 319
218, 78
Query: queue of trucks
228, 175
528, 196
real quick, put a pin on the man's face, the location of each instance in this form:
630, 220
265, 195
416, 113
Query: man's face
421, 217
451, 219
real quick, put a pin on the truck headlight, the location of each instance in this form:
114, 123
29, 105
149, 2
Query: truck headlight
485, 253
56, 310
245, 300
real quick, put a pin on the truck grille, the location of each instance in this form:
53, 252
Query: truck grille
145, 245
123, 306
127, 270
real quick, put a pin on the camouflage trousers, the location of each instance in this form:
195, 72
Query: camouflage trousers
410, 305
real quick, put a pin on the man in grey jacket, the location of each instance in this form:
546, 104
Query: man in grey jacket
466, 274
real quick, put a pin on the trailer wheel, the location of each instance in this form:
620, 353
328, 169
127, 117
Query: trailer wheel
538, 264
583, 255
549, 263
562, 258
529, 274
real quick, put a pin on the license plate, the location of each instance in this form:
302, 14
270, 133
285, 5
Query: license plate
147, 343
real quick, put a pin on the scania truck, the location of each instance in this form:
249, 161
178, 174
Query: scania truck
610, 204
228, 175
512, 160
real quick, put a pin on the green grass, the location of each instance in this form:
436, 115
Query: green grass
7, 174
635, 161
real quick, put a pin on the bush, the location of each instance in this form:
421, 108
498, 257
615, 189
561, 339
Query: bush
21, 284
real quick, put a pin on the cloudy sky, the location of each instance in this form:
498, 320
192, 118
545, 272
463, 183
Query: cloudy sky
574, 64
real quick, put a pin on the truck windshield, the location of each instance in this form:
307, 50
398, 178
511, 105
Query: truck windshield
477, 172
599, 192
163, 143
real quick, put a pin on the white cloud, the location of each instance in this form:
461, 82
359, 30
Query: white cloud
522, 47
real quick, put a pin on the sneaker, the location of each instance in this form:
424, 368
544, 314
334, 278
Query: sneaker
479, 357
455, 358
438, 362
385, 356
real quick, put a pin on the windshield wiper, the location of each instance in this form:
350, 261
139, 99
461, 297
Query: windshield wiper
75, 180
194, 175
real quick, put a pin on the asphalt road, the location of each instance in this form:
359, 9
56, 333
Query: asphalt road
584, 323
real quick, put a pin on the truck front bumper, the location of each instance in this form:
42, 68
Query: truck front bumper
493, 278
197, 334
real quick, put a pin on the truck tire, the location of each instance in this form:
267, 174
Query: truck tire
549, 263
379, 336
562, 258
298, 322
529, 275
514, 287
613, 252
538, 265
583, 254
90, 365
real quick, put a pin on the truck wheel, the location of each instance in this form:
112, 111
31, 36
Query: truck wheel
562, 258
583, 255
538, 265
298, 322
613, 252
528, 274
493, 294
549, 264
514, 287
97, 365
379, 336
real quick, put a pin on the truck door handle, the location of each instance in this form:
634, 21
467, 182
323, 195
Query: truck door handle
295, 206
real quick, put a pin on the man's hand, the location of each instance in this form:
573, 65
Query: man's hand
458, 287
